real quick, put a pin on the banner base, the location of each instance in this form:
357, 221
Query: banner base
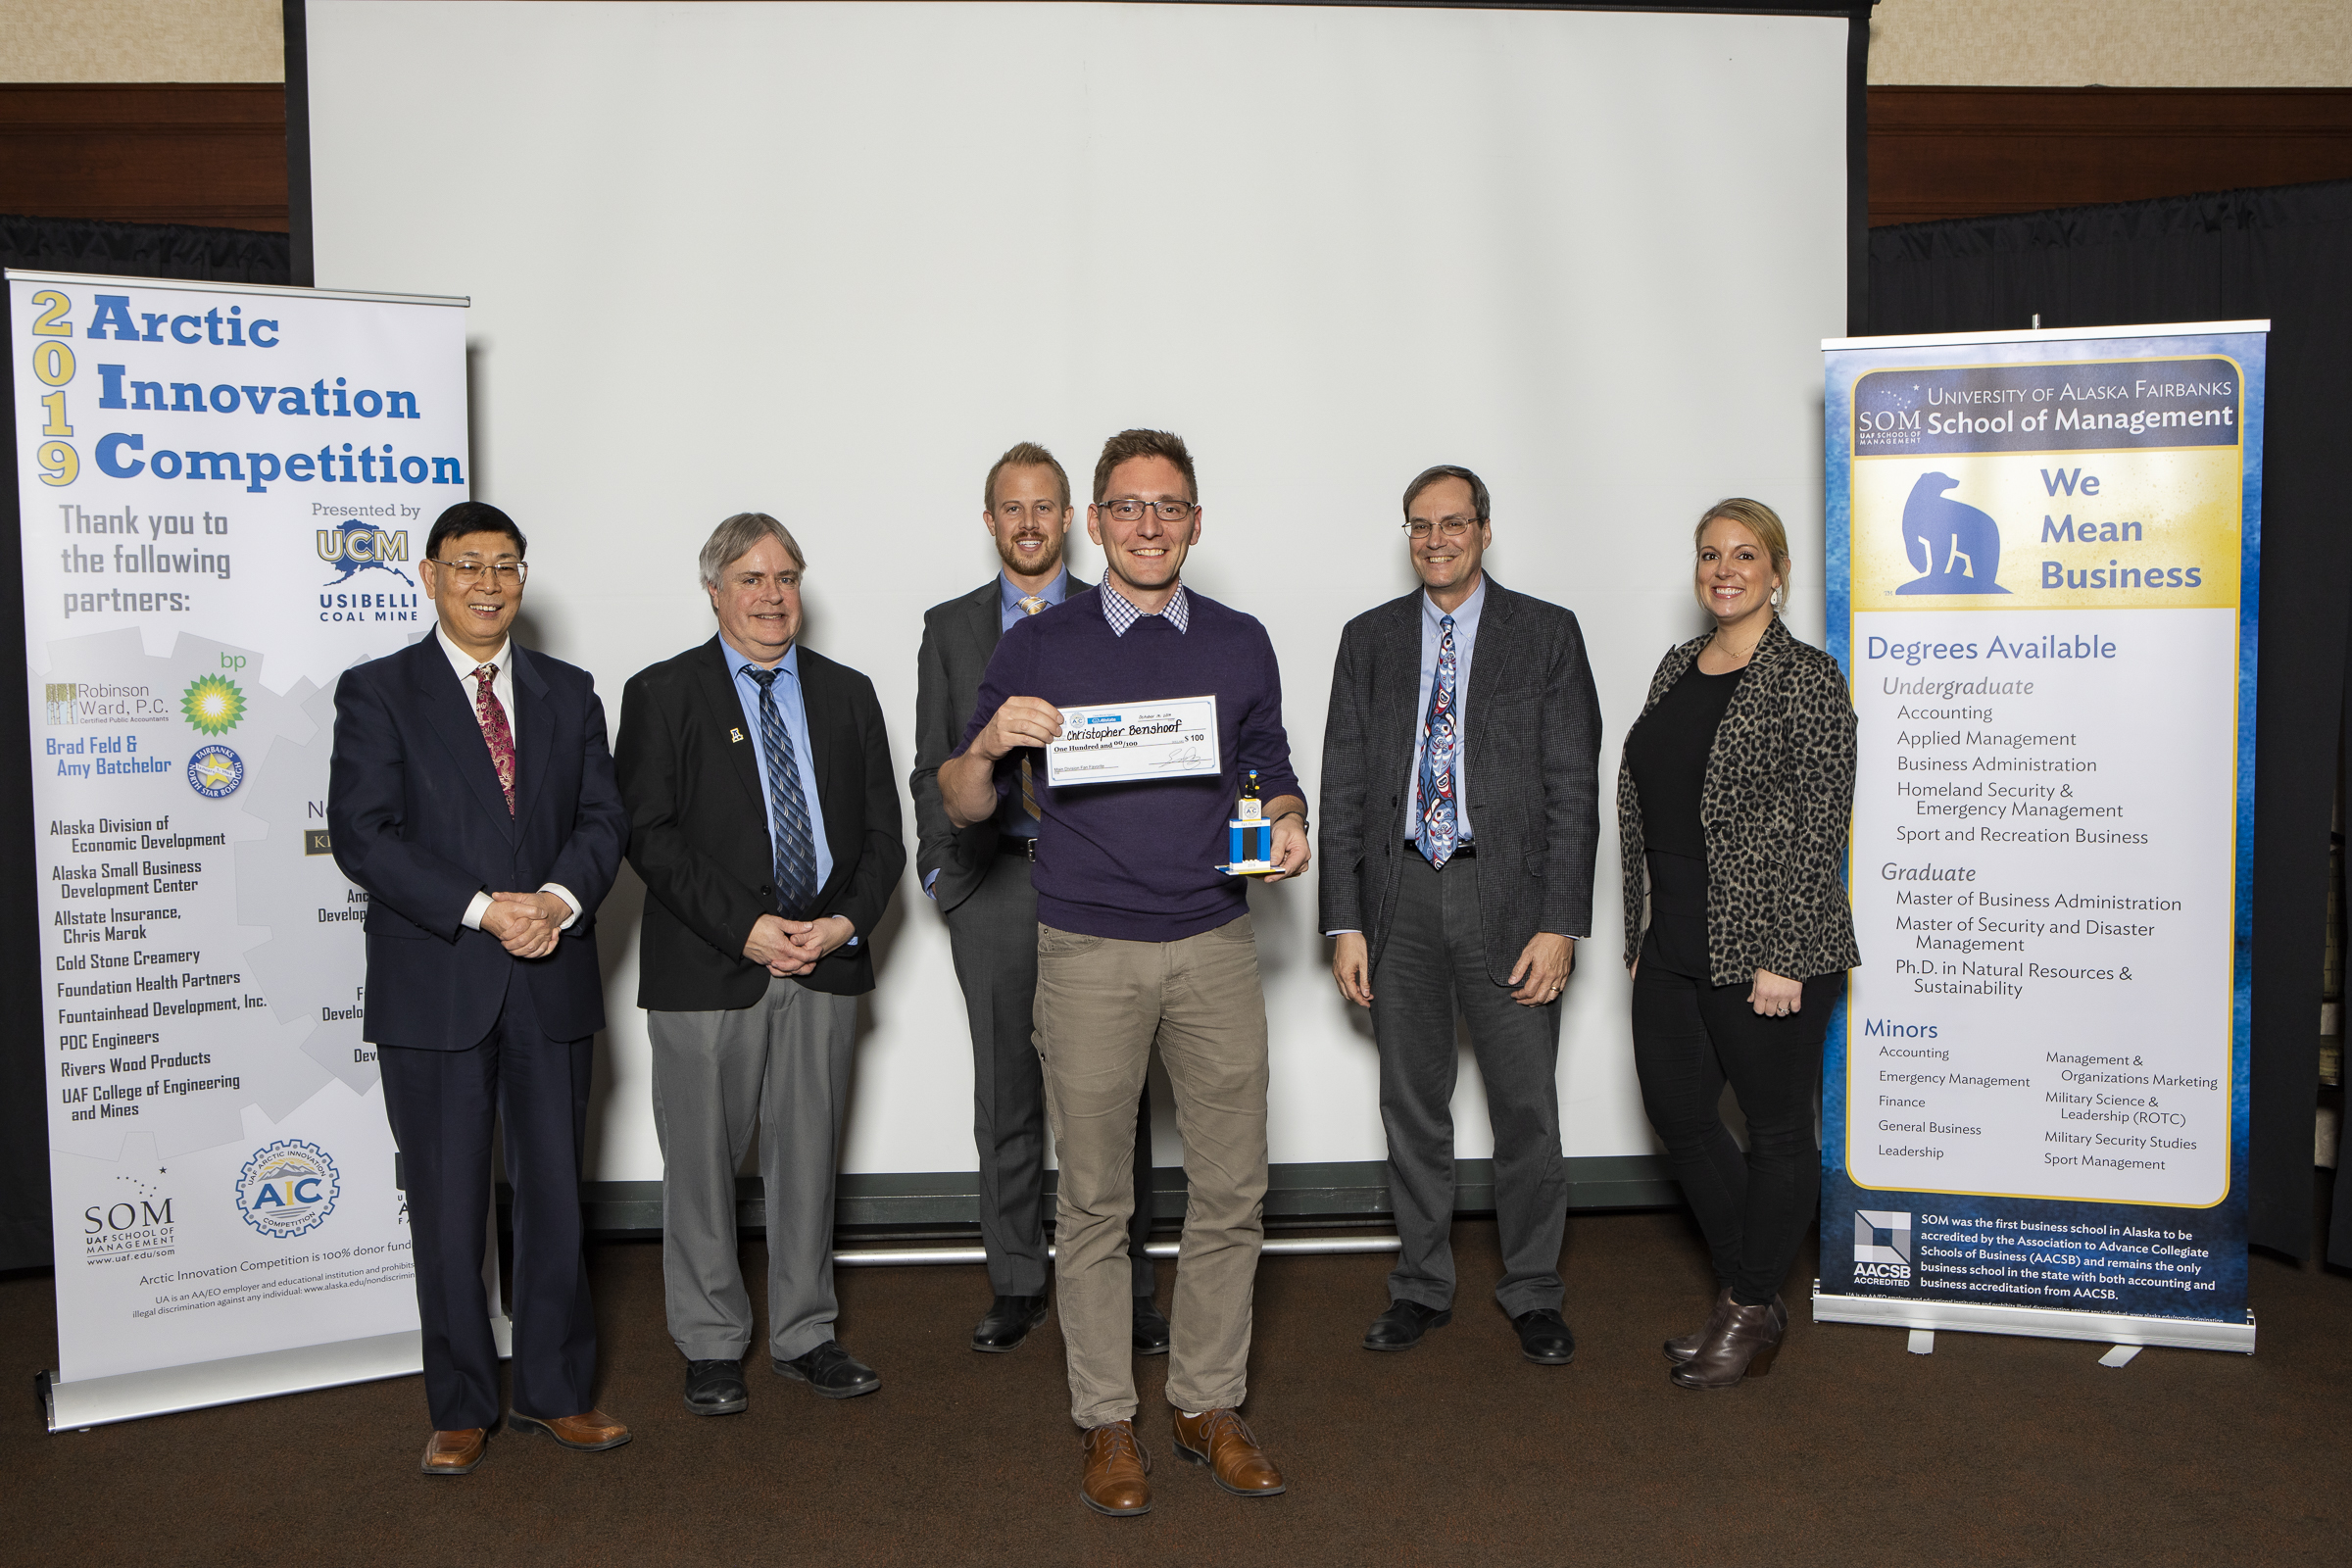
100, 1402
2040, 1322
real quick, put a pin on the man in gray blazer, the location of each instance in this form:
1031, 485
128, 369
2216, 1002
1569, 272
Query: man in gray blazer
979, 877
1460, 821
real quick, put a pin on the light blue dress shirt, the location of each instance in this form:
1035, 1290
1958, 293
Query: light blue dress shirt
1465, 639
1014, 818
795, 713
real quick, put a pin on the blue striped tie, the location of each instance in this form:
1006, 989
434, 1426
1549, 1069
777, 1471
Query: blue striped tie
787, 805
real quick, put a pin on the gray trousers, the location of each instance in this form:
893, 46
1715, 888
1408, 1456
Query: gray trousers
783, 1065
1433, 965
993, 934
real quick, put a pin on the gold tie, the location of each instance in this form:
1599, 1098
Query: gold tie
1030, 605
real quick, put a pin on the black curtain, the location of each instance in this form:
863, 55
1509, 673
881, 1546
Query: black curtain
61, 245
2284, 253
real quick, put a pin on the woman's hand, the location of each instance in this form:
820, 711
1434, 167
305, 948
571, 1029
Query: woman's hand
1775, 996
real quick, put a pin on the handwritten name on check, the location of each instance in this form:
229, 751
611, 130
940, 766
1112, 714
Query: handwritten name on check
1118, 743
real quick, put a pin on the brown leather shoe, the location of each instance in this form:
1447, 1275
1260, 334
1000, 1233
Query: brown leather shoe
455, 1453
1683, 1348
1221, 1441
1115, 1467
592, 1432
1742, 1347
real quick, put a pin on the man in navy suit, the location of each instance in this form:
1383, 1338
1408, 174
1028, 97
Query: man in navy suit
472, 794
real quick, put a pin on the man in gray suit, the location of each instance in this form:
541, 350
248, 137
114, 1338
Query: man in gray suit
979, 877
1460, 821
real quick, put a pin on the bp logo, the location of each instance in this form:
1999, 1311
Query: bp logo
213, 704
1883, 1245
288, 1189
215, 771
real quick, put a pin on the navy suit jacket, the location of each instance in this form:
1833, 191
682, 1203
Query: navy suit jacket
416, 819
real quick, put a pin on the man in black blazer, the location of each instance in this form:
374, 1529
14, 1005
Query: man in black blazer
979, 877
1459, 821
764, 820
471, 794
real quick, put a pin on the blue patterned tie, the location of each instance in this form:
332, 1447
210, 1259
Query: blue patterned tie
1436, 757
787, 805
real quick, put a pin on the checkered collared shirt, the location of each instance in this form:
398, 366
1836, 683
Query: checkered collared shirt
1122, 614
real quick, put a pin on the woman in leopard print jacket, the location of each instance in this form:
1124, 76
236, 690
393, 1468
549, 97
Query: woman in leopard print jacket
1731, 807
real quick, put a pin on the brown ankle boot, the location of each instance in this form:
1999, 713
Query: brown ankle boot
1743, 1347
1684, 1348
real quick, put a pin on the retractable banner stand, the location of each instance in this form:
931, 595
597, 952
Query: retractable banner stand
2043, 559
223, 493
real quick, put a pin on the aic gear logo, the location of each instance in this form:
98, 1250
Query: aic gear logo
215, 771
213, 704
1883, 1245
288, 1189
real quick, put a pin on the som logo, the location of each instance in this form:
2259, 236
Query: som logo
358, 547
1883, 1245
288, 1189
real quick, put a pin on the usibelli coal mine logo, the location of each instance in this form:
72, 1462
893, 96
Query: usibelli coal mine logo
288, 1189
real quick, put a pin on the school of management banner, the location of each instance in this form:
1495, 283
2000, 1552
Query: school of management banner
223, 491
2043, 552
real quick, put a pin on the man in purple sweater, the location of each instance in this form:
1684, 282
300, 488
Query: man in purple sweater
1142, 941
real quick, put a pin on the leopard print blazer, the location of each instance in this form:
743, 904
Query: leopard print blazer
1779, 794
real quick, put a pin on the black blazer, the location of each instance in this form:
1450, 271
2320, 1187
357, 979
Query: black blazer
1533, 723
416, 819
698, 833
958, 636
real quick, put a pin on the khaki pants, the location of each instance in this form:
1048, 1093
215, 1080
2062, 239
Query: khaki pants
1102, 1006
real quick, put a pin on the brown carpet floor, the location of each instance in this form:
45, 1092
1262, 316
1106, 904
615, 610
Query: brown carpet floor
1991, 1450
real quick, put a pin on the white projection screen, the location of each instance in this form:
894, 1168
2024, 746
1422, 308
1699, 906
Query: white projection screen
829, 259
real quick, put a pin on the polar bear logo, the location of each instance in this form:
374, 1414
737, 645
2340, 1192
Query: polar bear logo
1956, 548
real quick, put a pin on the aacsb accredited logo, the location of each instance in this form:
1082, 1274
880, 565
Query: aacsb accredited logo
215, 771
1883, 1245
212, 704
288, 1189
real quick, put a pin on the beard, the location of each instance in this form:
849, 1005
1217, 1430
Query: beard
1047, 559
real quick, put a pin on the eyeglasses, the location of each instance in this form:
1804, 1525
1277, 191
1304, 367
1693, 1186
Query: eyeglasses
468, 571
1450, 527
1127, 509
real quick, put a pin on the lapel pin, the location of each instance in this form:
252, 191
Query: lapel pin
735, 735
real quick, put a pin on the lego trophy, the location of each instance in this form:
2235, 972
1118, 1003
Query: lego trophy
1252, 842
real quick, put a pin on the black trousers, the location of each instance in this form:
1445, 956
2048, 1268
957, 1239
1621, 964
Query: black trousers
440, 1103
1434, 965
1690, 1037
993, 934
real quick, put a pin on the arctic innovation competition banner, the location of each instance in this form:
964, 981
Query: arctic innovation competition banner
2042, 553
223, 491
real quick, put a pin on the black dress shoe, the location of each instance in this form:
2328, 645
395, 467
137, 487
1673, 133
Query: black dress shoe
1401, 1326
1544, 1337
830, 1372
1007, 1323
1151, 1328
715, 1388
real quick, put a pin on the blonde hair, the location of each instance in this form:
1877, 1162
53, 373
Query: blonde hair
1757, 518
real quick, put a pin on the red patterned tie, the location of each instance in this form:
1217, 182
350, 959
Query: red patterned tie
491, 715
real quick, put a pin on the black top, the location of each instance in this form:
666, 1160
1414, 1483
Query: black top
1667, 751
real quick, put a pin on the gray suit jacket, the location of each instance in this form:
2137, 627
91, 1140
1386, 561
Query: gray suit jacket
1531, 724
958, 638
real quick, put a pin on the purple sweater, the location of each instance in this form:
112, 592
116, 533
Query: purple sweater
1138, 861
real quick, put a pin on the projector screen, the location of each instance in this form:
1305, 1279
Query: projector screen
828, 261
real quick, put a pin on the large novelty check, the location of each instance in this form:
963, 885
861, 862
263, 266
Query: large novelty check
1117, 743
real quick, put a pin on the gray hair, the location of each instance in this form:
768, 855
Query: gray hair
736, 537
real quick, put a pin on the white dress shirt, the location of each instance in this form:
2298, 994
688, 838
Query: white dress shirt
502, 686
